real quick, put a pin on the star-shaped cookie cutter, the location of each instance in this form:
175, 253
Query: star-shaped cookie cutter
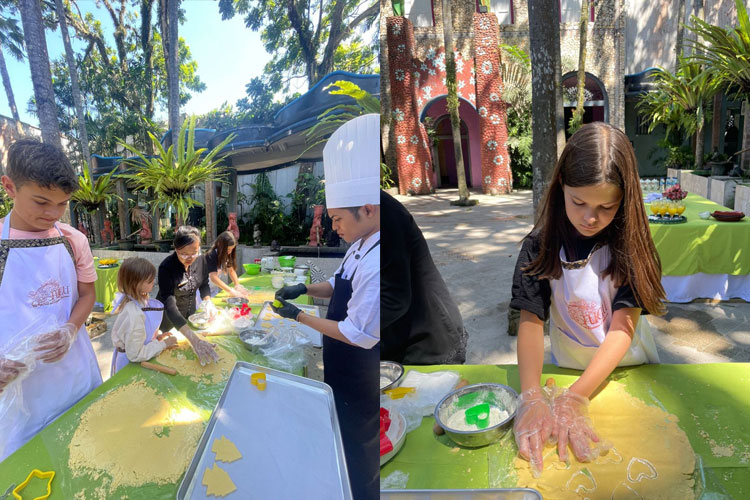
39, 475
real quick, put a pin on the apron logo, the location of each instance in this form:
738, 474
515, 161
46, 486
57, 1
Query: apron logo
49, 293
589, 315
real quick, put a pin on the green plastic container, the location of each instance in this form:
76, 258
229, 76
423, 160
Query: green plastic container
287, 261
252, 268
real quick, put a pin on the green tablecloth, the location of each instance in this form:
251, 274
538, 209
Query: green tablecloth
106, 285
48, 450
712, 402
702, 246
259, 284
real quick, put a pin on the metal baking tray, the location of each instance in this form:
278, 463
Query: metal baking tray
489, 494
314, 335
288, 436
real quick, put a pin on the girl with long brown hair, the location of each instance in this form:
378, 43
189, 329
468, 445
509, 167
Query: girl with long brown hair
591, 267
221, 262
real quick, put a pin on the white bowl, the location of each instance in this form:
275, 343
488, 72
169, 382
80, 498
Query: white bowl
396, 433
277, 281
705, 215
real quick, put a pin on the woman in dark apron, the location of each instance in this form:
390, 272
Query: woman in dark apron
182, 276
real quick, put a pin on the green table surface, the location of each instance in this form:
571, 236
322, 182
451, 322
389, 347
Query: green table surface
712, 402
263, 282
48, 450
702, 246
106, 285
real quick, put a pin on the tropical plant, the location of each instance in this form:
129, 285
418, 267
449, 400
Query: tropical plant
576, 121
6, 202
516, 68
91, 194
726, 52
335, 116
266, 210
681, 100
173, 173
11, 39
386, 176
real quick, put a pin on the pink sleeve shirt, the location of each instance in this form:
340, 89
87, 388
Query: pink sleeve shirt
84, 260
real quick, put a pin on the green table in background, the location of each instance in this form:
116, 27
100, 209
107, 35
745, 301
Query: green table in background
263, 284
106, 285
712, 402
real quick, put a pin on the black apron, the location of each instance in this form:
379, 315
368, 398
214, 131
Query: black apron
354, 375
184, 295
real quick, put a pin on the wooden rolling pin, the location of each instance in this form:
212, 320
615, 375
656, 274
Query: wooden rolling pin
159, 368
436, 428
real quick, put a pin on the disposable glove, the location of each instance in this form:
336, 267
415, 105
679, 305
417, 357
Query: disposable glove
54, 345
533, 426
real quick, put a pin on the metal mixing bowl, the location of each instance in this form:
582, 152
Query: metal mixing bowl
255, 340
392, 371
505, 398
236, 301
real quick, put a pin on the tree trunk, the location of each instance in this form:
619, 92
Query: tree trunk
148, 61
678, 49
77, 100
745, 157
122, 209
450, 63
210, 204
546, 94
716, 121
9, 92
577, 119
173, 74
41, 77
96, 227
699, 140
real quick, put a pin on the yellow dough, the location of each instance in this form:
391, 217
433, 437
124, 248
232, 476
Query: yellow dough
225, 450
134, 436
266, 324
651, 456
217, 482
214, 373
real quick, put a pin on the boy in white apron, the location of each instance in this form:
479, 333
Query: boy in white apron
46, 271
591, 267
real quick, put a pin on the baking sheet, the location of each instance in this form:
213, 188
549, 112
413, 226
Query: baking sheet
277, 321
490, 494
288, 436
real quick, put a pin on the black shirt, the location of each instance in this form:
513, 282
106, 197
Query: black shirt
212, 261
533, 294
172, 277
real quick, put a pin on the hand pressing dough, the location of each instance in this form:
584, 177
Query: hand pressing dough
225, 450
188, 366
217, 482
651, 456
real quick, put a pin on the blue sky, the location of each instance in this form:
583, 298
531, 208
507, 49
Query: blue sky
228, 54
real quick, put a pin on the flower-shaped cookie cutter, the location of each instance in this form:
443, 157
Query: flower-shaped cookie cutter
39, 475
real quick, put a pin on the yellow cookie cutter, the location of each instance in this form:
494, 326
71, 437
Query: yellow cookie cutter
258, 380
40, 475
400, 392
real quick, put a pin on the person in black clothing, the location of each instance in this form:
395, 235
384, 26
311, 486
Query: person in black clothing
221, 262
420, 323
181, 274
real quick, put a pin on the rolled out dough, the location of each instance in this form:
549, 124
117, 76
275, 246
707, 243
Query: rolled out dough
651, 456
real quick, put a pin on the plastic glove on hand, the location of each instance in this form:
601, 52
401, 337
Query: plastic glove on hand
236, 292
208, 306
205, 351
533, 426
54, 345
9, 370
286, 310
573, 427
291, 292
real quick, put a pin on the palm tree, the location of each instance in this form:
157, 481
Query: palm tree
726, 52
546, 92
11, 38
41, 77
583, 27
452, 102
176, 171
680, 100
77, 100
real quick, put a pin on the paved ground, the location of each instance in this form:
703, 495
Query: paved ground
476, 249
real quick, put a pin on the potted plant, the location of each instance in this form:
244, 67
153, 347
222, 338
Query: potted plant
91, 195
718, 163
173, 173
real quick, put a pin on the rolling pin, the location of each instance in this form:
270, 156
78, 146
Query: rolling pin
436, 428
159, 368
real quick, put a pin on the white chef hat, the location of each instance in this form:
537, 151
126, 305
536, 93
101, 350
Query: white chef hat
351, 160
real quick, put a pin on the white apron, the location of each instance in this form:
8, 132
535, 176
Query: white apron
581, 312
38, 279
153, 311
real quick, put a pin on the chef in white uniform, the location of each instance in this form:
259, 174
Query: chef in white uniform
42, 262
351, 330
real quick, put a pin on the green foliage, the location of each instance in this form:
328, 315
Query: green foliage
11, 35
386, 176
516, 69
90, 194
6, 202
174, 173
225, 117
307, 40
266, 210
726, 52
335, 116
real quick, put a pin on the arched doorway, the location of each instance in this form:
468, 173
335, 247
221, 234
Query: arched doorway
596, 102
445, 157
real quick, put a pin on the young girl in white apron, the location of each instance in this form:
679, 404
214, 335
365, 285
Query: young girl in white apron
135, 332
590, 266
